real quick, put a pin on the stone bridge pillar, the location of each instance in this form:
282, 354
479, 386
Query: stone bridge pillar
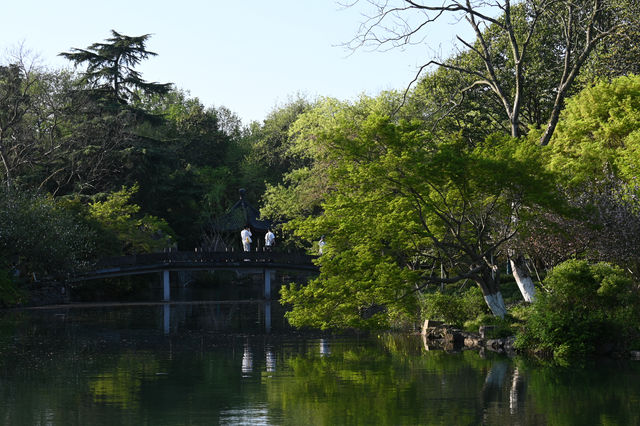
267, 283
166, 285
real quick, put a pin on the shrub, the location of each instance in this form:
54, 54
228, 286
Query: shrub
586, 308
38, 235
456, 308
136, 233
10, 294
503, 327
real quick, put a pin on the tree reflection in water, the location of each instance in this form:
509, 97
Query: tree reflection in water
120, 367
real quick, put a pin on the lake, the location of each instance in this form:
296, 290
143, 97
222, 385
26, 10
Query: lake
240, 364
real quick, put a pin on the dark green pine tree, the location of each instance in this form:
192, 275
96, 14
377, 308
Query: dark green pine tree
110, 67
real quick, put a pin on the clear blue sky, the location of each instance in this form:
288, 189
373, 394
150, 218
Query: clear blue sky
249, 56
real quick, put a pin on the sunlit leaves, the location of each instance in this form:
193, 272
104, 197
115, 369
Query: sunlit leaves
403, 203
600, 132
137, 233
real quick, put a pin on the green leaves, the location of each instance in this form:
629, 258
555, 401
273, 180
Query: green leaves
599, 133
400, 204
110, 66
586, 305
38, 235
136, 233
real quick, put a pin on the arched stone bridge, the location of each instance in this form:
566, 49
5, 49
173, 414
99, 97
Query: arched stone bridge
256, 262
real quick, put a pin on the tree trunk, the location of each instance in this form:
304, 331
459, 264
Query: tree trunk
491, 292
523, 278
553, 121
495, 302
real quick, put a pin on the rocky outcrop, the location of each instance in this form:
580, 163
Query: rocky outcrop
437, 335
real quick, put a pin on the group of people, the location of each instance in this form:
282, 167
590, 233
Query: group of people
245, 236
269, 240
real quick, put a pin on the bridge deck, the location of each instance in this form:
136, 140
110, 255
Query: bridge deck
197, 260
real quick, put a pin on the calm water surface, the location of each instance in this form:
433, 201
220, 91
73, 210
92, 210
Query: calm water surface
239, 364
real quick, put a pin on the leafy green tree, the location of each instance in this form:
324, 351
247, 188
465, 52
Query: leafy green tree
268, 157
526, 59
136, 233
189, 166
616, 56
102, 115
508, 38
436, 99
402, 206
599, 133
12, 107
27, 126
54, 138
39, 236
595, 150
303, 185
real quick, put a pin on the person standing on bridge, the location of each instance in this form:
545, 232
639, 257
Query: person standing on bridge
269, 240
245, 236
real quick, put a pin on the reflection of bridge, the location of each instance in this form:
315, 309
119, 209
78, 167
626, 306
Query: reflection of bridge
252, 262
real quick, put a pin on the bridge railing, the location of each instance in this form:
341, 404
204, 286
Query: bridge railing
208, 257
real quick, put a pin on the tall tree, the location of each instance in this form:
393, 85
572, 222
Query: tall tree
16, 83
269, 158
596, 150
111, 67
506, 33
104, 115
402, 205
189, 168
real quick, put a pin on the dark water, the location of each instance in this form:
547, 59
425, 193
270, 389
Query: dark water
208, 364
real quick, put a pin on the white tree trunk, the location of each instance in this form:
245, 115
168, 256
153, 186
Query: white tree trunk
495, 302
523, 279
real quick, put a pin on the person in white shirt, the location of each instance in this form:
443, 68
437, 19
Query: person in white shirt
321, 245
269, 240
245, 235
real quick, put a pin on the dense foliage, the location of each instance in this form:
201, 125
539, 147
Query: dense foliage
519, 146
38, 236
587, 308
453, 308
404, 203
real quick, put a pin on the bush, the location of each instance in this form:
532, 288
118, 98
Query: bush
503, 327
10, 294
38, 235
587, 308
456, 308
136, 233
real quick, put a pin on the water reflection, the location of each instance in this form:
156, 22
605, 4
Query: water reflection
214, 315
267, 317
324, 347
119, 366
166, 313
494, 382
516, 393
245, 416
270, 360
247, 360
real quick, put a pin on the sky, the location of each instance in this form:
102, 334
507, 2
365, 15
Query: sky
250, 56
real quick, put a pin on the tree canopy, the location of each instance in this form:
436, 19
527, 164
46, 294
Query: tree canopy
403, 206
513, 41
111, 67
